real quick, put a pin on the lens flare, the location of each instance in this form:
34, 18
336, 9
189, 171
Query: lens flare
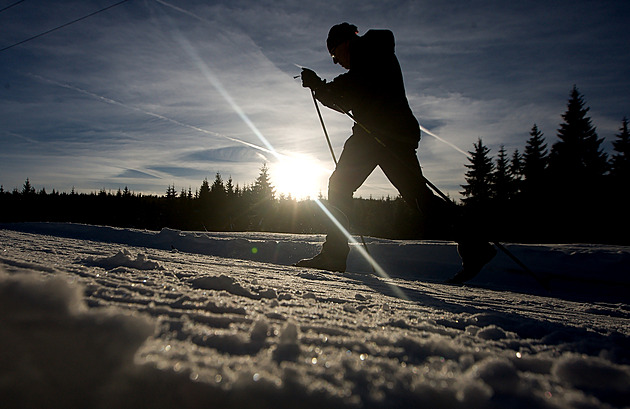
377, 268
299, 176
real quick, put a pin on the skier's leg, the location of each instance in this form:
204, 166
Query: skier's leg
402, 168
354, 166
441, 218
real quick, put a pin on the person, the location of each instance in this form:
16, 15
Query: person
385, 134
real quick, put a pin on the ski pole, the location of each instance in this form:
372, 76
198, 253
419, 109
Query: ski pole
500, 246
321, 120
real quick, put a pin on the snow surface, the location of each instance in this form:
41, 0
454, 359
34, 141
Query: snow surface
100, 317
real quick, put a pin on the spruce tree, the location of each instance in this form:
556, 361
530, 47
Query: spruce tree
229, 187
502, 180
619, 176
262, 189
28, 189
577, 158
620, 161
170, 192
577, 166
516, 172
217, 216
204, 190
217, 188
478, 188
263, 196
535, 160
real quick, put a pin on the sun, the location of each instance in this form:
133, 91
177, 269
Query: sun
299, 176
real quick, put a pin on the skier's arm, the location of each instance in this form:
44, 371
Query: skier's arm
330, 94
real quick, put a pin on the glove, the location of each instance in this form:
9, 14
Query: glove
311, 80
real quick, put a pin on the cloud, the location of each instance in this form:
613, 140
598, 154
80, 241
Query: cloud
179, 171
485, 69
135, 174
229, 154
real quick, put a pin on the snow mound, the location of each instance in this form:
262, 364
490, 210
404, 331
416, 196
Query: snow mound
123, 258
56, 351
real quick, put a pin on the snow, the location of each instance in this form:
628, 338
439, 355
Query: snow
101, 317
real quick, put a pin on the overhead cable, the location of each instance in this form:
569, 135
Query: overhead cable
63, 25
10, 5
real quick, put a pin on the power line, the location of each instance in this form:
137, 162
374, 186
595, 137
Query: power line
63, 25
11, 5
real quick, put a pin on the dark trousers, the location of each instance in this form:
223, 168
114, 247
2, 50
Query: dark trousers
361, 155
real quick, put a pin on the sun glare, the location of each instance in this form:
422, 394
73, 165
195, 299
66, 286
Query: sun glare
299, 176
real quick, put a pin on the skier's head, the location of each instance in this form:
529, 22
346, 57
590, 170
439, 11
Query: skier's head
339, 35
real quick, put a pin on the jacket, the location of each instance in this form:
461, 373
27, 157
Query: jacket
373, 90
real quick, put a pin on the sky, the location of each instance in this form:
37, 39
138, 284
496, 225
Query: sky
154, 93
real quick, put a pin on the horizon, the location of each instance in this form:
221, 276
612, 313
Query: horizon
152, 94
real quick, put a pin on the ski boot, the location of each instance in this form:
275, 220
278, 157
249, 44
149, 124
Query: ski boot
324, 261
474, 256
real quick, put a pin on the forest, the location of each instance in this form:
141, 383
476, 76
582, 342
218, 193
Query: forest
569, 191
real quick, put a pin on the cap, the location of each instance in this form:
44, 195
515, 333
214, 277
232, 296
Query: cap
340, 33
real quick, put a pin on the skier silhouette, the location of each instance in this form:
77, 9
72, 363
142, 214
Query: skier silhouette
385, 134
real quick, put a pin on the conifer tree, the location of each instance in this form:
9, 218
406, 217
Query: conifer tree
204, 190
516, 172
170, 192
535, 160
217, 209
620, 161
577, 158
217, 188
502, 181
28, 189
263, 200
577, 166
229, 187
262, 189
516, 165
478, 188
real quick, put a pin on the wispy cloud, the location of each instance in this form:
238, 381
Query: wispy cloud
135, 174
228, 154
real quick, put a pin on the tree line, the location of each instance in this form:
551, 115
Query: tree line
570, 191
215, 206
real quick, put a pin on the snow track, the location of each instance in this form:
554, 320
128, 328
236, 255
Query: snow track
144, 325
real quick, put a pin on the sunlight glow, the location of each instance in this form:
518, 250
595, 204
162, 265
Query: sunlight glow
299, 176
298, 169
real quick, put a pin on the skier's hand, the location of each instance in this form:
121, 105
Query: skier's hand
311, 80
